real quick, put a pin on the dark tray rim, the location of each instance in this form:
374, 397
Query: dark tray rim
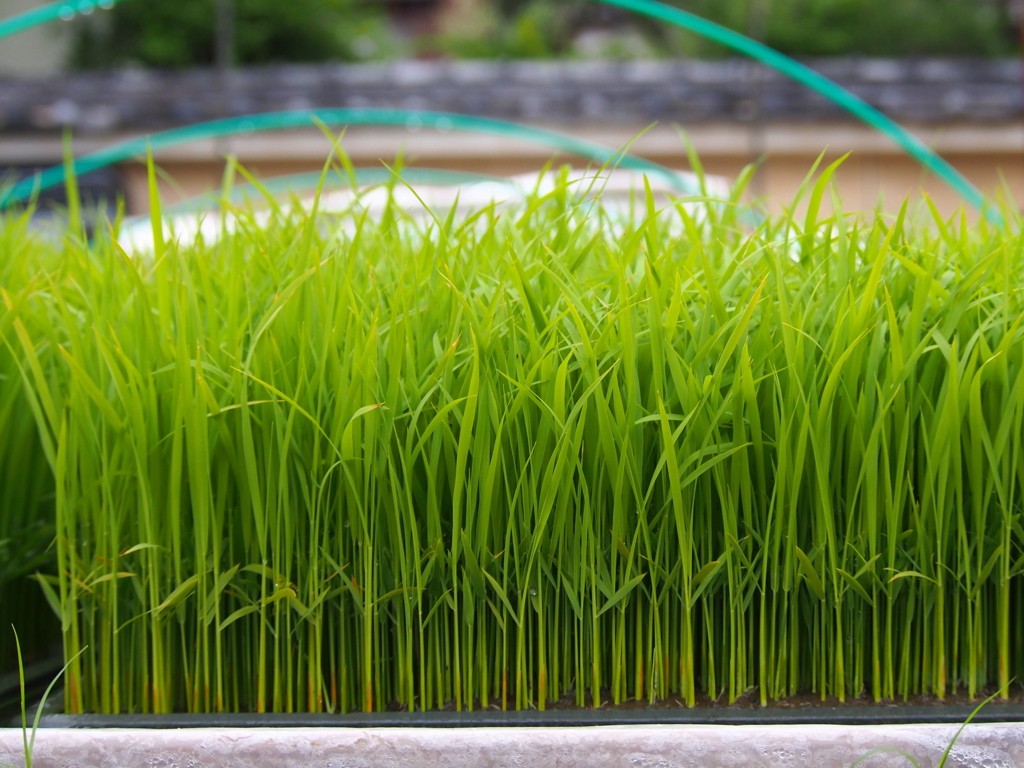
811, 715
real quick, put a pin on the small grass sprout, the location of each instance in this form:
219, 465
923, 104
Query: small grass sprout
946, 752
28, 735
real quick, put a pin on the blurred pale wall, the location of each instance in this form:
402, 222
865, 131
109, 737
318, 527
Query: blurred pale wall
990, 156
35, 52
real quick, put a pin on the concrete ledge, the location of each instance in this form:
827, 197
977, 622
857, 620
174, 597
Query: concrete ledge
812, 746
662, 143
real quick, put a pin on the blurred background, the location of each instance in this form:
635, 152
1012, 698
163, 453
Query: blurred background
950, 70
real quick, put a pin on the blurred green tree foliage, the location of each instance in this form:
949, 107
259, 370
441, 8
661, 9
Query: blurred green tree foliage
886, 27
795, 27
182, 33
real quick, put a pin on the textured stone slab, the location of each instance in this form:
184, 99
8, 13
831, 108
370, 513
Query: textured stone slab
666, 746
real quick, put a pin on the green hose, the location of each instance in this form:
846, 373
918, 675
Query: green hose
62, 11
816, 82
272, 121
657, 10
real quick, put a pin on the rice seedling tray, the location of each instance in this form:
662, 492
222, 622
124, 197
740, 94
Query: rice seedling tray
388, 463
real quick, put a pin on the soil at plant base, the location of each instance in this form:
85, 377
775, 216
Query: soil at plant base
751, 700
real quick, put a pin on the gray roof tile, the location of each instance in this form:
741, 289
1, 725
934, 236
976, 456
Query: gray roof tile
923, 90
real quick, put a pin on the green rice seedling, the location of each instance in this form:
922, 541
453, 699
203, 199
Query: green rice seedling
539, 452
27, 490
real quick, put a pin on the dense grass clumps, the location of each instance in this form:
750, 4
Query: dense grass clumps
356, 462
